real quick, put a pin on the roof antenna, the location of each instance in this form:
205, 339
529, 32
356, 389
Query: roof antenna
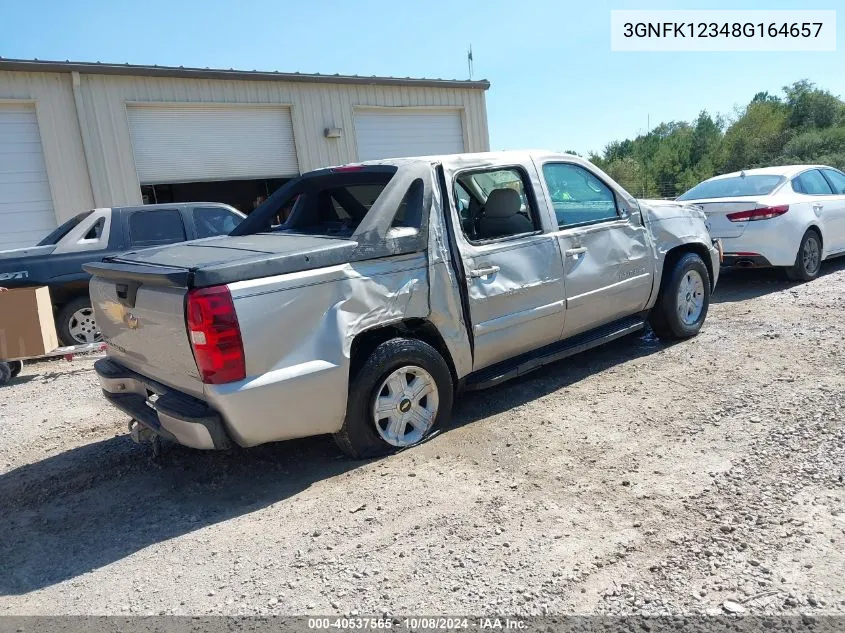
742, 174
469, 61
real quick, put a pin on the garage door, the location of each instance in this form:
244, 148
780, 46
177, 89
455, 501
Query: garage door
388, 134
197, 143
26, 206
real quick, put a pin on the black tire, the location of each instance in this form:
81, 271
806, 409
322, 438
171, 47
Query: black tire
804, 269
665, 318
359, 437
65, 317
5, 373
16, 366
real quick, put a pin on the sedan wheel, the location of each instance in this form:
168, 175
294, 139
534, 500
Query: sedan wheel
811, 255
808, 261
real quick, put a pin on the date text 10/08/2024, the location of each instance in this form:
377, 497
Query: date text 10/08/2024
418, 623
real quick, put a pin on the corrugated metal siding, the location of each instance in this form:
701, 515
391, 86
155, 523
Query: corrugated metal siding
60, 136
26, 205
189, 143
110, 163
394, 132
314, 107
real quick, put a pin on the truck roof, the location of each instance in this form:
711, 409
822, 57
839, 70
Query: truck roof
481, 158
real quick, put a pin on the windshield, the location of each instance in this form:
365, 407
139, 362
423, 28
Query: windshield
736, 186
58, 233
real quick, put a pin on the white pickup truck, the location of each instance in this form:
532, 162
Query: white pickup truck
358, 300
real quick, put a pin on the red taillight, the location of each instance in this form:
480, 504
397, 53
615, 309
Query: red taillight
346, 168
766, 213
215, 335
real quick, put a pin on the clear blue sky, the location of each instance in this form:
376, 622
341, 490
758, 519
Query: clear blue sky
555, 82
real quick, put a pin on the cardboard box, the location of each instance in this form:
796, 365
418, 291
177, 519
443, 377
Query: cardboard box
27, 327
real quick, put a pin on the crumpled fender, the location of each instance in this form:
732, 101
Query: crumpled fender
674, 224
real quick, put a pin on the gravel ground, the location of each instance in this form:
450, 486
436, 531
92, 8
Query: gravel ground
701, 477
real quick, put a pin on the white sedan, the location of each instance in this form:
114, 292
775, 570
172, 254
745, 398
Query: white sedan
792, 217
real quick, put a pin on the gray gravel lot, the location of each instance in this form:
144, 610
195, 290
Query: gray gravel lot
701, 477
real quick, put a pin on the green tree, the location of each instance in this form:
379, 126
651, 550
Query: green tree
806, 125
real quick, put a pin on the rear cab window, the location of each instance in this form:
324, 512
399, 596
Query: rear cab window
66, 227
334, 202
154, 227
214, 221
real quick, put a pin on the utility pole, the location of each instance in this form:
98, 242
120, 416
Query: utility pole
469, 60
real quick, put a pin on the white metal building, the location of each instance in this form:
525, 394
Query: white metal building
74, 136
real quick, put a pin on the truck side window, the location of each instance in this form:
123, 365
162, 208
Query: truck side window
214, 221
409, 213
96, 231
504, 208
157, 226
578, 197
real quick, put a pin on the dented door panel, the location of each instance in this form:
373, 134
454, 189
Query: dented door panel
608, 272
516, 296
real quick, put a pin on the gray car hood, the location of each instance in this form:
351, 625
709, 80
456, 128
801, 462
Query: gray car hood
223, 260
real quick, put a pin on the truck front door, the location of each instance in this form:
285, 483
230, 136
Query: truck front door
608, 257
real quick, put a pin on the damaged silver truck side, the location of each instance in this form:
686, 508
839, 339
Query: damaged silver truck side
358, 300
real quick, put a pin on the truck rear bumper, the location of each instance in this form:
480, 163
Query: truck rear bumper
171, 414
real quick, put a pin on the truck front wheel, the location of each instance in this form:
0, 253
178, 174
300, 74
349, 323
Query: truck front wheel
403, 391
684, 299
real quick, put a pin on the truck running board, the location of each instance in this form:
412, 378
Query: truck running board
525, 363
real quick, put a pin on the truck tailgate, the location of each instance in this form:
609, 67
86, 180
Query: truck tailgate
144, 327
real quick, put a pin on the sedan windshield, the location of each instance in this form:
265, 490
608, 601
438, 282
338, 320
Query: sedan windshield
736, 186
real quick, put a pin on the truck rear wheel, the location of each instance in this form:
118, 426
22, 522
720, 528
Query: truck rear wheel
684, 299
403, 391
75, 323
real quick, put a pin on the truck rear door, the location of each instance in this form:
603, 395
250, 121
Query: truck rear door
513, 269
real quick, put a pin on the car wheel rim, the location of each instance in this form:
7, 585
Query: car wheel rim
690, 300
405, 406
82, 327
811, 255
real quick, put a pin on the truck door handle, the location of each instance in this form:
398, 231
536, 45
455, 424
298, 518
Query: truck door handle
818, 206
575, 252
483, 272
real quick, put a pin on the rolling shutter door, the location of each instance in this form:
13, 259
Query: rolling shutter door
26, 205
389, 134
203, 143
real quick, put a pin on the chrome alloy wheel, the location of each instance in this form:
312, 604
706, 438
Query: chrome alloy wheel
690, 300
405, 406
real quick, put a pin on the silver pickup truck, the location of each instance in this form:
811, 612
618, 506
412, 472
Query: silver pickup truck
358, 300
